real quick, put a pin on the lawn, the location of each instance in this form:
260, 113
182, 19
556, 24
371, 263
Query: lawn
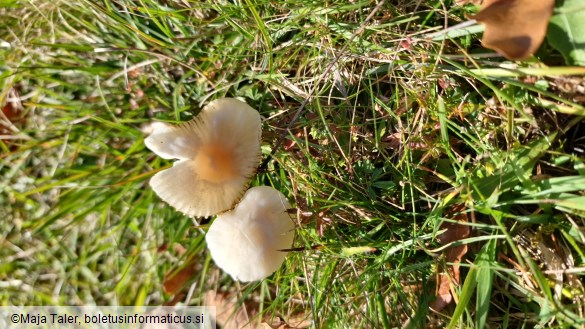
434, 182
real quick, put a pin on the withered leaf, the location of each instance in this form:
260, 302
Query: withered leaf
230, 314
450, 275
515, 28
177, 278
443, 293
454, 231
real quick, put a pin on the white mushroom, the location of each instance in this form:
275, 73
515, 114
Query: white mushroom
247, 241
218, 152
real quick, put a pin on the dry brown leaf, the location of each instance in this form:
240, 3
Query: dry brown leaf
295, 322
11, 115
443, 293
299, 321
454, 231
393, 141
228, 314
12, 119
450, 276
290, 143
232, 315
177, 278
515, 28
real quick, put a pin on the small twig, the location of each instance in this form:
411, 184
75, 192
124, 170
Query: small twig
575, 270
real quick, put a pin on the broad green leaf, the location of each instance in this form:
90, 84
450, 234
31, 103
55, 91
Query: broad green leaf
517, 171
566, 31
385, 185
9, 4
485, 273
546, 187
464, 297
562, 201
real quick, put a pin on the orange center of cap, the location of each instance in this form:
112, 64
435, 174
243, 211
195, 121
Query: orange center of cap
215, 163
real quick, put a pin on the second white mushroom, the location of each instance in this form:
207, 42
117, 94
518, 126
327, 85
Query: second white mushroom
247, 241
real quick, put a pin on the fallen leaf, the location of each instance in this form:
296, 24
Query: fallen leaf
443, 293
290, 143
228, 314
514, 28
177, 278
449, 276
8, 117
292, 323
233, 315
12, 120
393, 141
454, 231
299, 321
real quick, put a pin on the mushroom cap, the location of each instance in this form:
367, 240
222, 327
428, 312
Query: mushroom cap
218, 152
245, 242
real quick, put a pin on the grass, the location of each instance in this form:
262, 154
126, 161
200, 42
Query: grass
375, 133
